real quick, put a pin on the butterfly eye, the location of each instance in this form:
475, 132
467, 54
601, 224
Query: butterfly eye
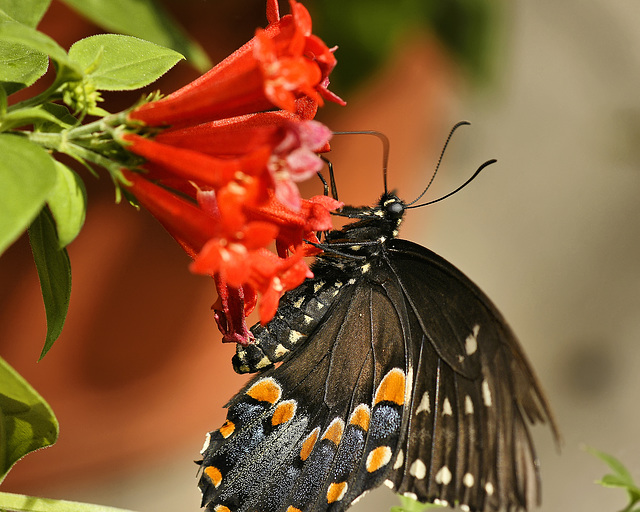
395, 210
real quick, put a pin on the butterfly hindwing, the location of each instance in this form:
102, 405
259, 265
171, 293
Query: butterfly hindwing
342, 435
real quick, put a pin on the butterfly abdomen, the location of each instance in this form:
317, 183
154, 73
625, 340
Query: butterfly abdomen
299, 313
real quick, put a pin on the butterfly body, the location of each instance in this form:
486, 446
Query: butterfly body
396, 369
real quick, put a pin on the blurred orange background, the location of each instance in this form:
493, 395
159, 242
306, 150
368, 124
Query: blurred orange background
551, 233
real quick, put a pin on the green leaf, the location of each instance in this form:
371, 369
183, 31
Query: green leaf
115, 62
20, 66
28, 116
27, 422
145, 19
29, 12
23, 503
5, 17
54, 271
68, 204
621, 479
63, 118
12, 32
614, 481
27, 177
617, 466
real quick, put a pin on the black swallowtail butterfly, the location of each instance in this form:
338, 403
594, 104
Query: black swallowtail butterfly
395, 369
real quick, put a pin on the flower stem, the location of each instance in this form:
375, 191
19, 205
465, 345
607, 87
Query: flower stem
62, 143
40, 98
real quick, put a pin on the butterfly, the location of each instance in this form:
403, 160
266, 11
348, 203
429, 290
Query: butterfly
396, 369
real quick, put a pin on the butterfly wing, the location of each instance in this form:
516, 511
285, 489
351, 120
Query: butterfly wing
325, 426
473, 397
409, 375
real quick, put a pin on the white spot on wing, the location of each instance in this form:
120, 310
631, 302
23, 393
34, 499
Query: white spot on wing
471, 343
299, 302
389, 484
489, 488
411, 495
317, 286
486, 393
446, 408
365, 268
418, 469
468, 480
399, 460
409, 384
425, 405
443, 476
468, 405
207, 440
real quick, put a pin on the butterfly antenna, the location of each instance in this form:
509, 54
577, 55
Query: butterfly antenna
385, 149
433, 176
483, 166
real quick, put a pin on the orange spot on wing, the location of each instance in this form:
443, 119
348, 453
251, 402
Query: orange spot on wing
309, 443
361, 416
227, 429
293, 509
334, 432
214, 474
283, 413
336, 491
391, 388
265, 390
221, 508
378, 457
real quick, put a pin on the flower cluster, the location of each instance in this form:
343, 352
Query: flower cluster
222, 156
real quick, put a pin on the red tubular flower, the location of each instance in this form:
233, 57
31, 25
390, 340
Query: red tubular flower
239, 260
221, 174
280, 64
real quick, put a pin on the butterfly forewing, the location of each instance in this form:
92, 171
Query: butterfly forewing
480, 391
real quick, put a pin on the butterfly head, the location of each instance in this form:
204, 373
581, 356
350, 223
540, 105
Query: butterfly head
391, 210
